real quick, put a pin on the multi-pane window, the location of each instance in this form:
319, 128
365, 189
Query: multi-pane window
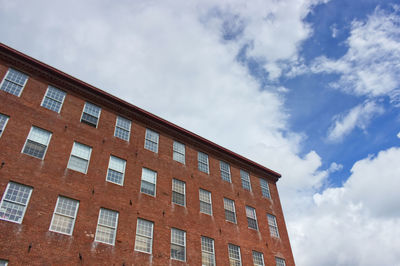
203, 162
225, 171
3, 123
273, 227
91, 114
229, 206
205, 201
64, 215
207, 251
116, 170
178, 244
37, 142
14, 82
178, 192
14, 202
179, 152
53, 99
151, 140
80, 156
107, 226
265, 188
234, 255
122, 128
251, 217
144, 236
258, 258
149, 181
245, 180
3, 262
280, 262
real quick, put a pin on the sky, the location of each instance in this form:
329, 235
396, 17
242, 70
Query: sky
308, 88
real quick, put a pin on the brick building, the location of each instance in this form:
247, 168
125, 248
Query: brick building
86, 178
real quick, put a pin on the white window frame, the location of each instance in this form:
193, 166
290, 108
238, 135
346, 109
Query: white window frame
5, 78
88, 160
262, 258
5, 123
234, 211
15, 202
116, 126
28, 138
123, 171
98, 118
151, 238
199, 162
184, 244
108, 226
243, 176
178, 153
253, 211
149, 131
265, 187
273, 225
155, 182
229, 254
211, 209
65, 215
280, 261
184, 192
224, 171
45, 95
206, 251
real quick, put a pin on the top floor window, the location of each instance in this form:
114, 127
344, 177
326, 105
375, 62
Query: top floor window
14, 82
3, 123
203, 162
123, 128
91, 114
151, 141
225, 171
245, 180
265, 188
53, 99
179, 152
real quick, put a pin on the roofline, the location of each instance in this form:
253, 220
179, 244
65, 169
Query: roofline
157, 119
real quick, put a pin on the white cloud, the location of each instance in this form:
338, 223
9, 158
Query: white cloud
334, 30
358, 117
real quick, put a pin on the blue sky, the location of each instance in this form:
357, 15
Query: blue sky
308, 88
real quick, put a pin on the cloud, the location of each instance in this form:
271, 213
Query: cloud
358, 117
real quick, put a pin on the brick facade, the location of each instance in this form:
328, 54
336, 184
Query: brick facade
31, 242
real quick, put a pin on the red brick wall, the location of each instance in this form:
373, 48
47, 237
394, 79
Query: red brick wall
50, 178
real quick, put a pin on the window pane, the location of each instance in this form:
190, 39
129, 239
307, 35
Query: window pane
273, 227
265, 188
205, 202
107, 226
3, 122
14, 202
53, 99
245, 180
258, 258
225, 171
203, 162
62, 224
280, 262
122, 128
36, 143
149, 175
13, 82
66, 206
144, 235
179, 152
81, 151
234, 255
64, 215
178, 244
151, 141
34, 149
108, 218
78, 164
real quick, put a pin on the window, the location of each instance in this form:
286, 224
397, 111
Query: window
203, 162
229, 206
245, 180
205, 202
251, 217
265, 188
80, 156
179, 152
149, 181
178, 244
225, 171
151, 141
14, 82
234, 255
37, 142
258, 258
207, 251
91, 114
280, 262
273, 227
123, 128
144, 236
116, 170
64, 216
14, 202
178, 192
3, 123
3, 262
107, 226
53, 99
